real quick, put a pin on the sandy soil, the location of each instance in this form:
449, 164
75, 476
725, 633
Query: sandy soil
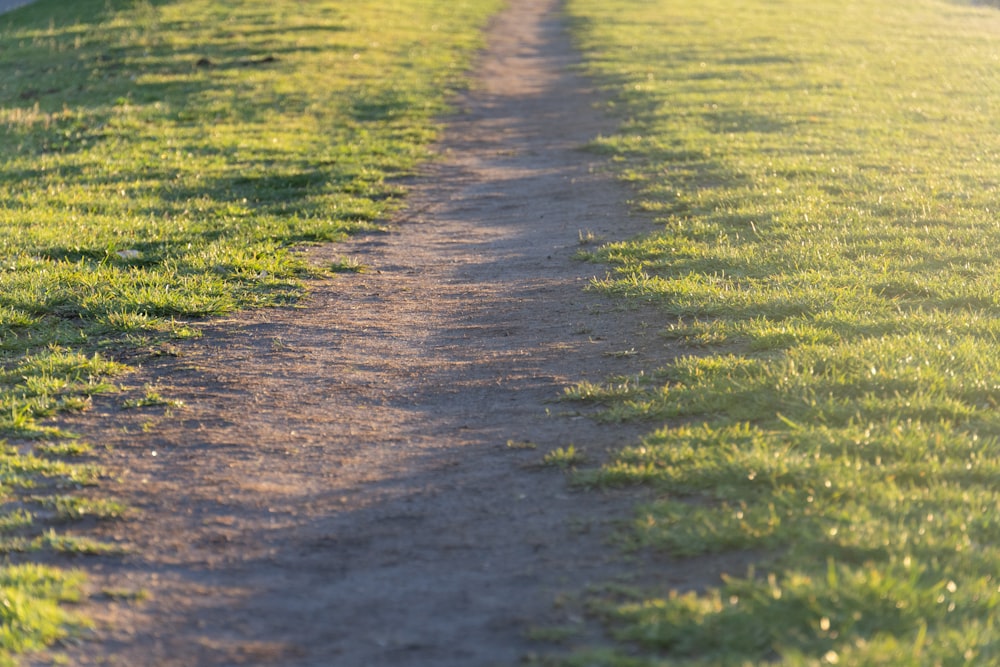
339, 489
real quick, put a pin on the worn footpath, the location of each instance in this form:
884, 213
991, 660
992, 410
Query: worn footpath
355, 481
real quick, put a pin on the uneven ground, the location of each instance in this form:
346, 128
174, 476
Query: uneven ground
339, 489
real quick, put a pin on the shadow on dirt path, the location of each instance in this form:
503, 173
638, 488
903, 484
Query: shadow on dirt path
339, 489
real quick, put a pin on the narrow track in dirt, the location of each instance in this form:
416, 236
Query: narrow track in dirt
339, 488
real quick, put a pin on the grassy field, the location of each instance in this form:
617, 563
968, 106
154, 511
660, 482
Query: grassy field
161, 162
825, 180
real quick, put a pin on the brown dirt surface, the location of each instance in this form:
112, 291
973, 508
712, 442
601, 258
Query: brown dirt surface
339, 487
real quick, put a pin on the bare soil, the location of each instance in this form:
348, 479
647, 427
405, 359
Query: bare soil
339, 487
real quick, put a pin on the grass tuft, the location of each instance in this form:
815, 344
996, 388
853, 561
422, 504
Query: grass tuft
564, 457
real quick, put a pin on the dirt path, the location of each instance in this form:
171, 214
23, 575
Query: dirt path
338, 489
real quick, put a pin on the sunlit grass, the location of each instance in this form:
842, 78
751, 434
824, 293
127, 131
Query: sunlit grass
163, 161
32, 617
826, 186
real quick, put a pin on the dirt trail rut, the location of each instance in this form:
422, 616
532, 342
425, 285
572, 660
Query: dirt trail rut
339, 489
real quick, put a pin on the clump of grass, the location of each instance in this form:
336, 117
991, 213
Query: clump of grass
618, 395
69, 508
564, 457
74, 545
152, 398
348, 265
62, 449
825, 188
521, 444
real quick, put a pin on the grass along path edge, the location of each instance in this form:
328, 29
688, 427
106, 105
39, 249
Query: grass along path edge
826, 187
162, 163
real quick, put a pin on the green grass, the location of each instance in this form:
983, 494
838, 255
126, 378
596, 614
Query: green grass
151, 398
564, 457
825, 185
164, 161
31, 616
